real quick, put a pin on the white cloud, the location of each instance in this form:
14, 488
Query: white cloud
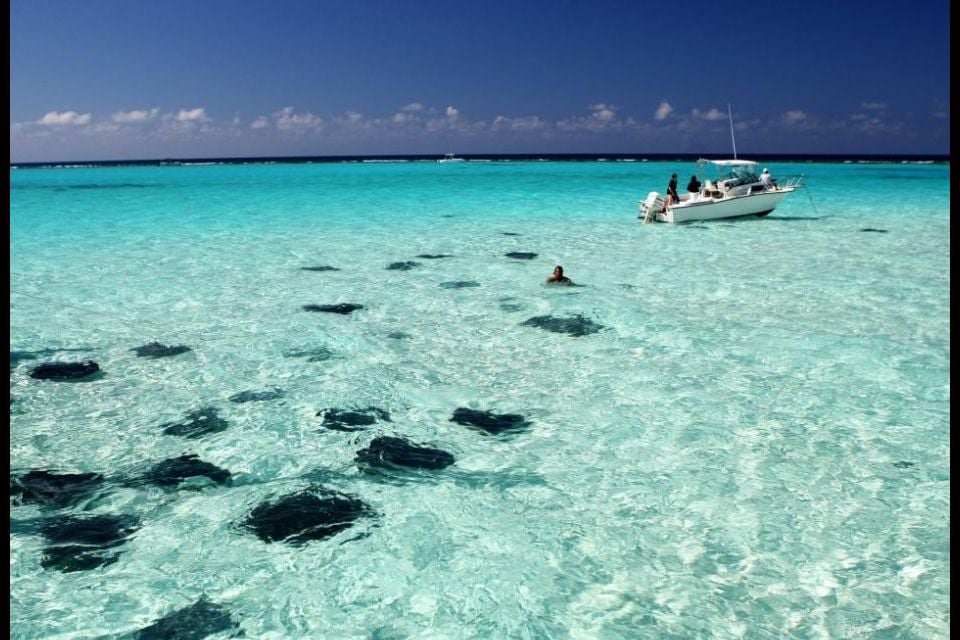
603, 112
287, 120
603, 117
747, 125
104, 127
712, 114
874, 106
941, 109
192, 115
351, 123
137, 115
877, 125
54, 118
260, 123
522, 123
452, 121
408, 114
663, 111
794, 117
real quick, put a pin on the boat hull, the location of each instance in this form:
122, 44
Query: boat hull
754, 204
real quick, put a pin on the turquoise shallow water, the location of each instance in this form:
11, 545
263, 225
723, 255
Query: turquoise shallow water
756, 445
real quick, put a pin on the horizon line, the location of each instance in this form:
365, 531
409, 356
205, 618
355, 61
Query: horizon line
299, 159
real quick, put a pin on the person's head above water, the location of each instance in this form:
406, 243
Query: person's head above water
558, 276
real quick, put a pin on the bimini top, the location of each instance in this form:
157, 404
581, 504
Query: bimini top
727, 163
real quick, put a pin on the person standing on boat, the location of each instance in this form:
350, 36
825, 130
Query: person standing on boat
767, 179
694, 185
672, 196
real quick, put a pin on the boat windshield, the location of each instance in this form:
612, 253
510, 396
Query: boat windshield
733, 172
738, 174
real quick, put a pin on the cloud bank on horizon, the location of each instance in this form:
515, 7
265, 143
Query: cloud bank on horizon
149, 132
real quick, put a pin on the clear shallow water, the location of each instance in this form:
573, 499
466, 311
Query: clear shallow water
755, 445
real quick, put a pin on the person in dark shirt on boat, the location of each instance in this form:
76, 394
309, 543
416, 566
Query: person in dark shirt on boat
694, 185
672, 196
558, 277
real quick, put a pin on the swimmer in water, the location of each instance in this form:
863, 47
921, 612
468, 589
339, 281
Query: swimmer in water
558, 277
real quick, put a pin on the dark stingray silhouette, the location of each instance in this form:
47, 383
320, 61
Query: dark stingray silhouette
312, 514
66, 371
320, 354
16, 357
199, 620
393, 453
489, 422
402, 266
174, 471
257, 396
197, 423
52, 489
343, 308
78, 543
320, 268
576, 326
352, 419
157, 350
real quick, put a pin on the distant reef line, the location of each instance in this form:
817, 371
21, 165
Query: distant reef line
507, 157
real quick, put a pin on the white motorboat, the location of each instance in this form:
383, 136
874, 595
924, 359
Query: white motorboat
737, 190
451, 158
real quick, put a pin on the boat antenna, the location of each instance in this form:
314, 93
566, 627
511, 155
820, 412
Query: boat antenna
732, 139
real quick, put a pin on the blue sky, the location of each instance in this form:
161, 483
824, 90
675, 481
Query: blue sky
213, 78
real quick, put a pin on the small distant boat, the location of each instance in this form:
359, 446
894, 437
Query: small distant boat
451, 158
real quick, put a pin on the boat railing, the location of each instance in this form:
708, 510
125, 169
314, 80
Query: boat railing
791, 181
